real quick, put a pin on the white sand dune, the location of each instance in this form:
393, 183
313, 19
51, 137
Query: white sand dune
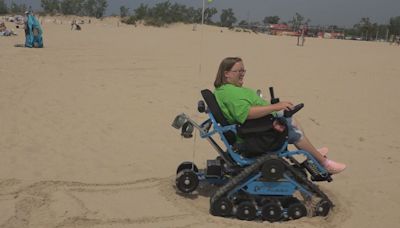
85, 123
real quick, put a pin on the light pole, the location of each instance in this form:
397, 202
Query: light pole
202, 12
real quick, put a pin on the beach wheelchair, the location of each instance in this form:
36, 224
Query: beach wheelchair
253, 182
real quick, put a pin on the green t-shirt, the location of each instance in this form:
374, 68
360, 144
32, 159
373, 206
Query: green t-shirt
235, 102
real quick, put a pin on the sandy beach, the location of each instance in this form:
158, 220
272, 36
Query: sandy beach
85, 123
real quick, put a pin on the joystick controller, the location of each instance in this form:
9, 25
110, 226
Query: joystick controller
290, 113
286, 113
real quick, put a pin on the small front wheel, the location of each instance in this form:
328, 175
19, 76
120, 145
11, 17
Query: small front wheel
186, 181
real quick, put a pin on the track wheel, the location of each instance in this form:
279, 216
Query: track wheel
223, 207
322, 208
271, 212
246, 211
273, 169
296, 210
186, 181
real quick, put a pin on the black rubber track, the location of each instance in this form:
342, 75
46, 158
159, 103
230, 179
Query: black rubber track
242, 176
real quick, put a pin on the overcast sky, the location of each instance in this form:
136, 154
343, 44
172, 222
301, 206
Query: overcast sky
320, 12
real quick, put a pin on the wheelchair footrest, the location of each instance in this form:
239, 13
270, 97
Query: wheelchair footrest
313, 170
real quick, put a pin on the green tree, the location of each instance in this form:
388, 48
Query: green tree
3, 7
243, 24
227, 18
123, 11
178, 13
271, 20
18, 8
50, 6
298, 20
208, 14
166, 13
95, 8
160, 14
365, 28
382, 31
100, 9
394, 25
141, 12
72, 7
193, 15
352, 32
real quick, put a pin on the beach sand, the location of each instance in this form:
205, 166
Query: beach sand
85, 123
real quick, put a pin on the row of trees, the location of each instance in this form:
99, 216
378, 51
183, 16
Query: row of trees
92, 8
371, 31
14, 8
364, 29
166, 13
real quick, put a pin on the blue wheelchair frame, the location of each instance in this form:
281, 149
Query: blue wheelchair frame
285, 187
251, 187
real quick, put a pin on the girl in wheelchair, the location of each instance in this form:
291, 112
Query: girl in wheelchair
239, 104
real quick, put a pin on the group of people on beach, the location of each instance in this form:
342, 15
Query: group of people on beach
32, 28
4, 31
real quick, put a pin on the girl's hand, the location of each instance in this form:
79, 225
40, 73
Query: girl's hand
283, 105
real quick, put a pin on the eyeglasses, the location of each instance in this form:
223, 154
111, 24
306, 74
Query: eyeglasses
240, 71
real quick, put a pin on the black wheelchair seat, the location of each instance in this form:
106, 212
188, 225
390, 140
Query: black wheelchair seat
257, 136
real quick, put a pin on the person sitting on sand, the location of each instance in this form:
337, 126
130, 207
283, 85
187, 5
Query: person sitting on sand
2, 26
73, 24
239, 104
4, 31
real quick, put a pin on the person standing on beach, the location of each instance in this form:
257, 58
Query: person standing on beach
301, 35
391, 39
73, 23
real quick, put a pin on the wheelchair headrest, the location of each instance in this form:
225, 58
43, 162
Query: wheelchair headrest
216, 111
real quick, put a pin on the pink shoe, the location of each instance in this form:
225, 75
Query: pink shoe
333, 167
323, 151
